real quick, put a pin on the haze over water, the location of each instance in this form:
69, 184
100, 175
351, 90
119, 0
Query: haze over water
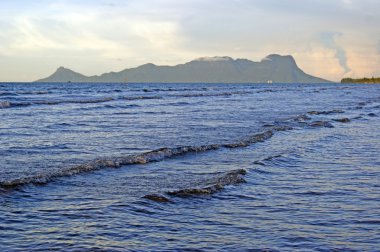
310, 152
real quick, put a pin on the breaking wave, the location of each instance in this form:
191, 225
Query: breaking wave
215, 185
163, 153
211, 186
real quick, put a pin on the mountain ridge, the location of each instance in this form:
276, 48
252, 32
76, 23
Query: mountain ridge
218, 69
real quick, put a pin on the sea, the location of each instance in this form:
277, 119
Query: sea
189, 167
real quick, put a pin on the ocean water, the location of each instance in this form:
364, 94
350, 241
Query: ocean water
273, 167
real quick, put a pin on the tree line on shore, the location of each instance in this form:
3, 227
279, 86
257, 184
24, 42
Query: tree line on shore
361, 80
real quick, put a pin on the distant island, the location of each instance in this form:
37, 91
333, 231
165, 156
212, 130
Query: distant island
272, 69
372, 80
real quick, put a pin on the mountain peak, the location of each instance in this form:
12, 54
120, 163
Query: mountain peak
61, 68
147, 65
63, 74
214, 59
277, 57
217, 69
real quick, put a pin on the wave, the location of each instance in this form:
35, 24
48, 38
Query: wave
266, 91
334, 111
33, 92
165, 153
8, 104
180, 89
261, 137
23, 93
304, 121
302, 118
148, 90
211, 94
7, 94
212, 186
263, 161
342, 120
230, 178
324, 124
143, 158
133, 98
314, 193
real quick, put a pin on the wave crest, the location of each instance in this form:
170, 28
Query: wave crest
212, 186
164, 153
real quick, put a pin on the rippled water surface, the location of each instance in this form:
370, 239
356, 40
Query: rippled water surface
79, 160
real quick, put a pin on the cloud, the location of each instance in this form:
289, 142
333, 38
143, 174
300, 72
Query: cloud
89, 35
62, 32
347, 3
328, 39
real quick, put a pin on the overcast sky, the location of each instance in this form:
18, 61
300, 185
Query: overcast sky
328, 38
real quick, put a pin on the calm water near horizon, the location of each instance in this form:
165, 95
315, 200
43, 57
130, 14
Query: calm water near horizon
76, 163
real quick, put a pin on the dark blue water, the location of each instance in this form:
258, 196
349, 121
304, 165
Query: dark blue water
76, 164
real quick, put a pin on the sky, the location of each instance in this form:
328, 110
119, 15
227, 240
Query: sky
331, 39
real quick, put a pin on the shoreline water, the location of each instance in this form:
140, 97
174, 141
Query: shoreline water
309, 152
